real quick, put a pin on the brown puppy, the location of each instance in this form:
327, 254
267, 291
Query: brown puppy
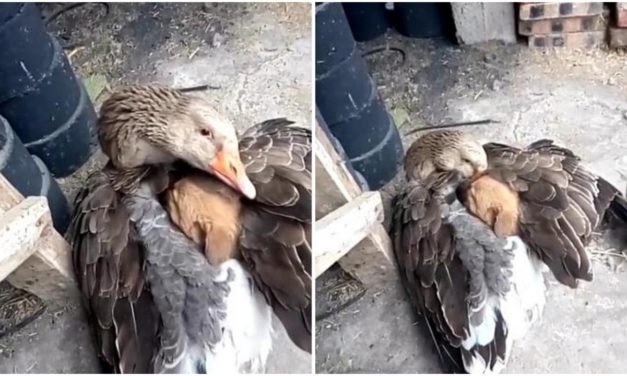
208, 212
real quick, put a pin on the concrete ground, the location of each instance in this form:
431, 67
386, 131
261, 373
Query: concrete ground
257, 58
579, 99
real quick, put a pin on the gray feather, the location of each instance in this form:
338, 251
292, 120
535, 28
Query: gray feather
483, 254
190, 300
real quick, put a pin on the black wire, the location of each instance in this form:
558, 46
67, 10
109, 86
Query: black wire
70, 6
383, 49
66, 8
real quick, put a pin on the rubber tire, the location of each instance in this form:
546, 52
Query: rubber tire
381, 164
334, 40
367, 20
423, 20
8, 11
345, 90
16, 164
69, 147
41, 111
56, 199
25, 52
365, 131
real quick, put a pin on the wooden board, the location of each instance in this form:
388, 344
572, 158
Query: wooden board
46, 270
335, 187
482, 22
342, 229
20, 228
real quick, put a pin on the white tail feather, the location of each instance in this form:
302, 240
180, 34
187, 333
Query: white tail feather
524, 303
520, 307
247, 337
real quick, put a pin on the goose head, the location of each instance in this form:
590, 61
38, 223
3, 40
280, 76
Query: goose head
442, 158
146, 125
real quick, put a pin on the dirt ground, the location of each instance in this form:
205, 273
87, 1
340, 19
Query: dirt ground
577, 98
256, 58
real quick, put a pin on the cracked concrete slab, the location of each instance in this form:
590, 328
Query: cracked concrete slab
258, 55
579, 99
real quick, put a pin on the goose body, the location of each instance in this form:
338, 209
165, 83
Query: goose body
160, 300
476, 227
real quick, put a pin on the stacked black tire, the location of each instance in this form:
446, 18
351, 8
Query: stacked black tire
30, 176
415, 20
349, 100
367, 20
45, 105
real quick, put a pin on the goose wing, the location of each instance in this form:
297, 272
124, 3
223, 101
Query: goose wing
561, 203
441, 283
275, 240
109, 268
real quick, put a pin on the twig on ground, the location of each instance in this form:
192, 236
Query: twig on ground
453, 125
611, 252
191, 56
198, 88
73, 52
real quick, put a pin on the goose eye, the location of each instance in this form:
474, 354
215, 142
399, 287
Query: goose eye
206, 132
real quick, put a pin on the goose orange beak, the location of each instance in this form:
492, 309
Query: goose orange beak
230, 169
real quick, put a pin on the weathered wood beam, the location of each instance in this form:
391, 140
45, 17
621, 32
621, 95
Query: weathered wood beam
338, 232
20, 228
335, 187
483, 22
334, 166
48, 272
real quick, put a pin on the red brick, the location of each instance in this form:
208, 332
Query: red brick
589, 39
561, 25
618, 37
543, 11
621, 14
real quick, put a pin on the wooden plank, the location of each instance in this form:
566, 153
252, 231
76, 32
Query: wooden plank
20, 228
372, 260
328, 196
48, 273
483, 22
336, 186
338, 232
9, 196
334, 165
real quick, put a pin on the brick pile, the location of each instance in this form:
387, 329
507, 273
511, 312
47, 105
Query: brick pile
569, 25
618, 32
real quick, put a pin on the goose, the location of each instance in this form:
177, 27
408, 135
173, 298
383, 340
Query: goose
160, 300
474, 228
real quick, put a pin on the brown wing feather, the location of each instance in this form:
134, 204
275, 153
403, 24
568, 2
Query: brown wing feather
561, 203
276, 227
434, 278
108, 266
